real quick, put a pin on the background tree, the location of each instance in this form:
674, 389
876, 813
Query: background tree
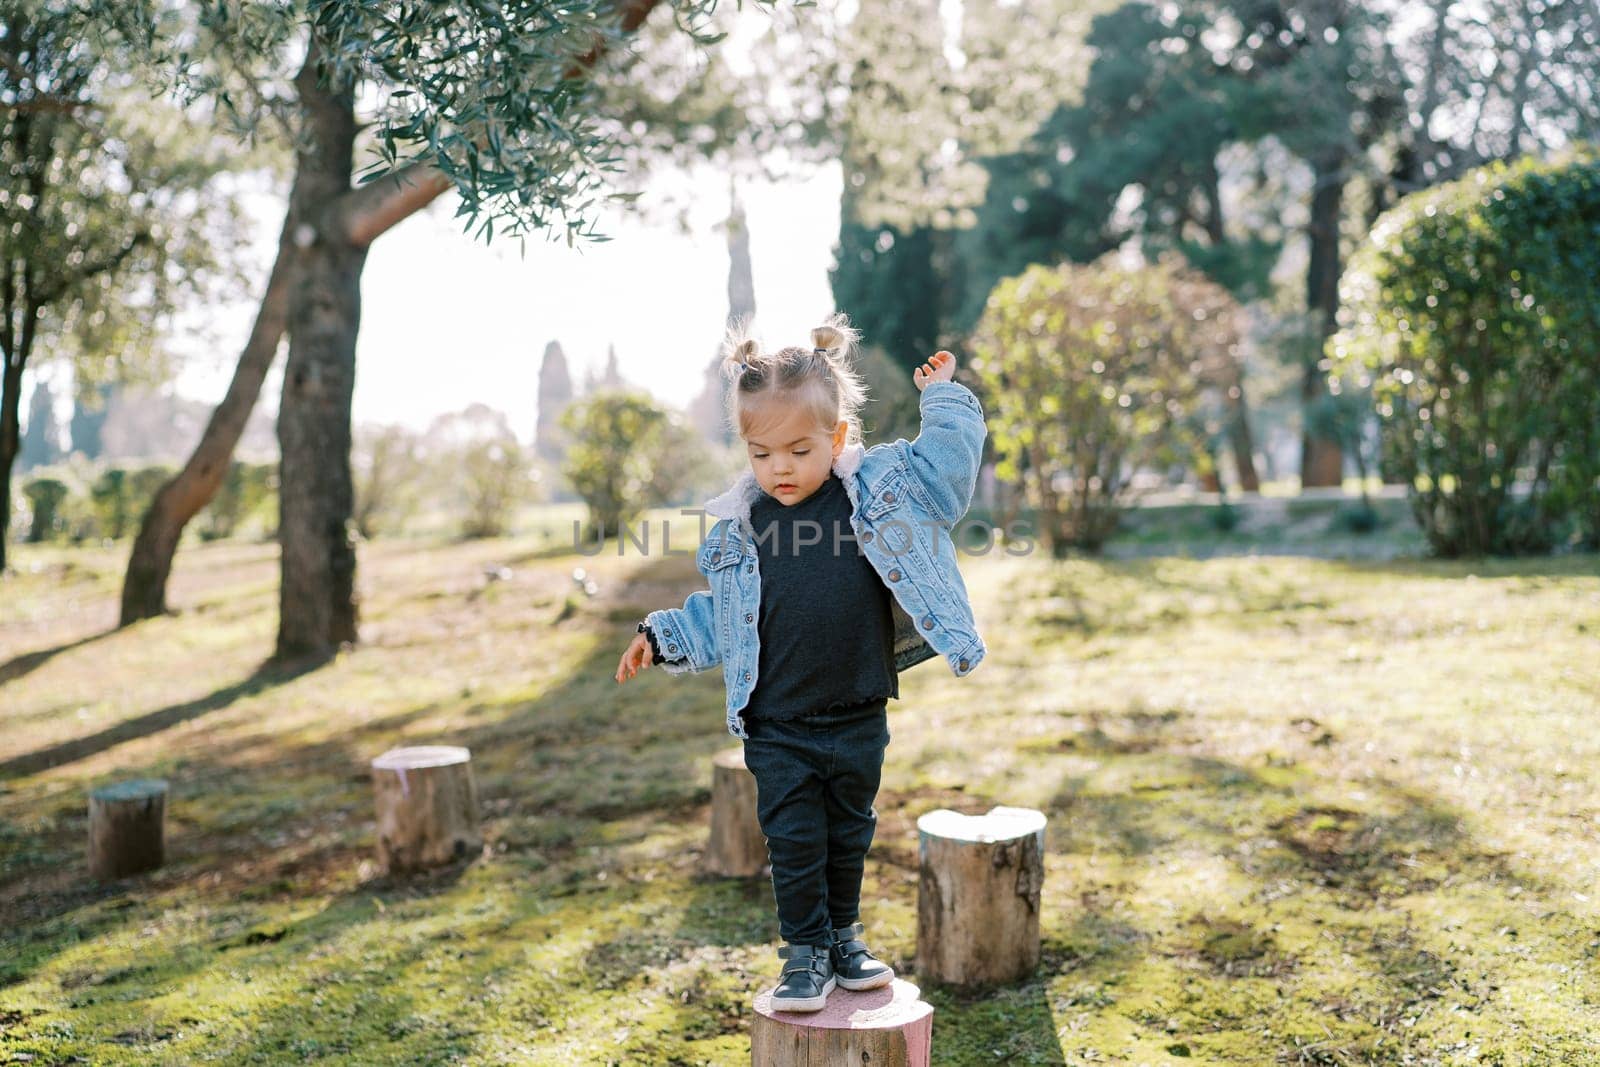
622, 460
388, 466
1257, 137
906, 182
492, 103
480, 467
112, 212
555, 393
90, 404
41, 442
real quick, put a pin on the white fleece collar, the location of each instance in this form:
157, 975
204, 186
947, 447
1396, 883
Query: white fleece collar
735, 502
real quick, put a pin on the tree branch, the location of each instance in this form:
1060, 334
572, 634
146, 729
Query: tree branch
369, 211
46, 105
111, 262
634, 12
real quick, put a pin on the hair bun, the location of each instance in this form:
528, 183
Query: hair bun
742, 353
835, 335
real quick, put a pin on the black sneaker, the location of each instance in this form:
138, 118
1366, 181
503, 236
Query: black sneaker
854, 964
807, 978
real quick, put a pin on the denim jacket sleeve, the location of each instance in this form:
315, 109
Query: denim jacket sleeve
948, 450
687, 636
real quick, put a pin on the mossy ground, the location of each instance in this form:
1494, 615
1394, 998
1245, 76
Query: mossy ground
1301, 812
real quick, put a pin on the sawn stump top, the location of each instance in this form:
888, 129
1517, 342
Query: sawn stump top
417, 757
888, 1008
136, 789
999, 824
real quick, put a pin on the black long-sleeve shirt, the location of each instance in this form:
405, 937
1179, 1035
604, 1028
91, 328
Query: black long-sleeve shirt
826, 627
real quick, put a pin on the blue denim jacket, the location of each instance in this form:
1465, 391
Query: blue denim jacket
905, 499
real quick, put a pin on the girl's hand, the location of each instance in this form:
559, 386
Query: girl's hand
638, 656
941, 368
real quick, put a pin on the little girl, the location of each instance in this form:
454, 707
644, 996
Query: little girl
801, 617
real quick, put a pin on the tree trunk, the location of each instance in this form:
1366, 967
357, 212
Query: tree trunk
16, 345
1240, 441
10, 442
1321, 460
317, 604
144, 587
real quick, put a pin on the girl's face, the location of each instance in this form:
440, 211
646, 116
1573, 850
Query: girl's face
790, 456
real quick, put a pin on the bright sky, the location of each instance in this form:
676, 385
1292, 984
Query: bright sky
447, 321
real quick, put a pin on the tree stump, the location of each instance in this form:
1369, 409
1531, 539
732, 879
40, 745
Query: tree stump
738, 848
127, 828
978, 895
427, 806
886, 1027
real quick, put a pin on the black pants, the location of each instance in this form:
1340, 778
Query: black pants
816, 779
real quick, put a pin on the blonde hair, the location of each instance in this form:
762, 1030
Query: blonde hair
821, 379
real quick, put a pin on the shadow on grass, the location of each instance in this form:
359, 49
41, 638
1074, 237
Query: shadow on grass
584, 769
265, 677
25, 664
1341, 869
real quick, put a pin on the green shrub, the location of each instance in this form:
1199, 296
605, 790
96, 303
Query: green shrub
45, 499
108, 499
1473, 315
1359, 518
1224, 518
245, 490
627, 455
1093, 372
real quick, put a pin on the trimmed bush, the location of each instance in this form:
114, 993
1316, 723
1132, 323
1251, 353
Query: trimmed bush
245, 490
1473, 315
45, 499
1093, 372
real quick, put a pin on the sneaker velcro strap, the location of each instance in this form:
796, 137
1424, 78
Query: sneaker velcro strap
801, 951
854, 930
804, 958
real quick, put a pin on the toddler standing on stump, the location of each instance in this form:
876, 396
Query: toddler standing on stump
831, 569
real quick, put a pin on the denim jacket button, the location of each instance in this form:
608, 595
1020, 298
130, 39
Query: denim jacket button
666, 633
963, 664
748, 617
716, 555
888, 496
894, 575
866, 536
927, 622
672, 648
747, 676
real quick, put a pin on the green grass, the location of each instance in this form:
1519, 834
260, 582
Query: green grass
1301, 812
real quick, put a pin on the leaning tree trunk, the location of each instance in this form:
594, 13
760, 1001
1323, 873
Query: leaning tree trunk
17, 332
317, 604
144, 587
1240, 440
10, 444
1321, 460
